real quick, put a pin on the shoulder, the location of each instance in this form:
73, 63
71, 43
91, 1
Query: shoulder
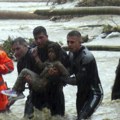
29, 53
63, 52
4, 56
49, 42
2, 53
87, 56
27, 57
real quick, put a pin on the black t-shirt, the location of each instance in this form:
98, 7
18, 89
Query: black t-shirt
26, 62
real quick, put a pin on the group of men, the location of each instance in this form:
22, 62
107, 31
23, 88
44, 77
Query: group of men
79, 61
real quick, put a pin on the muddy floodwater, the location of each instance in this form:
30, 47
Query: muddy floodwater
107, 62
57, 30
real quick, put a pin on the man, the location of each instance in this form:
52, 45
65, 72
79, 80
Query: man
24, 60
54, 97
116, 89
83, 65
39, 82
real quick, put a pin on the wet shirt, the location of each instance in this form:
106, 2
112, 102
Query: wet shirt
85, 69
26, 62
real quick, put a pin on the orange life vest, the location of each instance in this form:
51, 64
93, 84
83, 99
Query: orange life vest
6, 66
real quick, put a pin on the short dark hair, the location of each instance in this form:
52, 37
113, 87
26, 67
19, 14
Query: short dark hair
39, 29
20, 40
74, 33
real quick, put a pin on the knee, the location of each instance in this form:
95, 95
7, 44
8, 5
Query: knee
25, 70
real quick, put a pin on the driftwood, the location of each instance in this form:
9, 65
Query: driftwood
80, 11
47, 13
19, 15
99, 48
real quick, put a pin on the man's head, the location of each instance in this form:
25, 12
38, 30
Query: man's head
19, 47
74, 40
40, 36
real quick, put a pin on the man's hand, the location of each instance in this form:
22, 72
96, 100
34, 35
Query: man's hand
34, 52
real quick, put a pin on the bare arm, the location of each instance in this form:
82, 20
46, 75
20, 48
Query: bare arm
39, 64
64, 74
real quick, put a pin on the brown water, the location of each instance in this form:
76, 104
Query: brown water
57, 31
107, 62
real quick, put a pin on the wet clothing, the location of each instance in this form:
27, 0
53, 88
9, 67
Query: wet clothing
116, 87
39, 82
54, 97
6, 66
27, 62
89, 89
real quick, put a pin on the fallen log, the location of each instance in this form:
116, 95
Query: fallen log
19, 15
47, 13
103, 48
80, 11
99, 48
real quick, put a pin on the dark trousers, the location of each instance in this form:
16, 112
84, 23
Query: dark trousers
86, 109
29, 110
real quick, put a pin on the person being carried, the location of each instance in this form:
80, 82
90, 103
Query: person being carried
51, 68
6, 66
